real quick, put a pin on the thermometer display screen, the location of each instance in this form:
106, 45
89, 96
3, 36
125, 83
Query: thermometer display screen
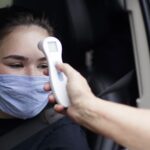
52, 46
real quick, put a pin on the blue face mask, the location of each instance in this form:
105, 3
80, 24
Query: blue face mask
22, 96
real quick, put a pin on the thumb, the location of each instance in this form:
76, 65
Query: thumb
66, 69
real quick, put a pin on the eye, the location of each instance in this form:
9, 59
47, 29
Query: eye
43, 66
16, 65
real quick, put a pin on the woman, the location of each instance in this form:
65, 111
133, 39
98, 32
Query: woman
22, 96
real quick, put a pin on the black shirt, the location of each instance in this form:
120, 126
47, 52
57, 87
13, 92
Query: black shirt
62, 135
7, 125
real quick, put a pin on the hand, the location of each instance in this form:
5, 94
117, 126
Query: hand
79, 92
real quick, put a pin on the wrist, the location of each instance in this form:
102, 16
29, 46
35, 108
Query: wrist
86, 110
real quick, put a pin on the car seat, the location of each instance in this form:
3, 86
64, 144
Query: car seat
97, 42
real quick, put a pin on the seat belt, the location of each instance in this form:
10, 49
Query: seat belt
122, 82
9, 140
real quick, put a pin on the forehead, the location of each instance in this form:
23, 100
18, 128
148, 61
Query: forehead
23, 40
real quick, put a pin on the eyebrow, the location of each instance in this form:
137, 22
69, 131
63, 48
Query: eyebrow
42, 59
17, 57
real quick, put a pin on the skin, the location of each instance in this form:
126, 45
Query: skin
20, 55
126, 125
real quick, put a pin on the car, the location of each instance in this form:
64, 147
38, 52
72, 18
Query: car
108, 42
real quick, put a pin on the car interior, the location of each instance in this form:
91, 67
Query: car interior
97, 39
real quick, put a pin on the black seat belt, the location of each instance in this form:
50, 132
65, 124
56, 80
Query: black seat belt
122, 82
31, 127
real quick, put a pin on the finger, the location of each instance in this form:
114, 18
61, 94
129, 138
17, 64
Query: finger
66, 69
60, 109
52, 99
47, 86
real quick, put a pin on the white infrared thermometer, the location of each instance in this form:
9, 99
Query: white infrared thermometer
52, 49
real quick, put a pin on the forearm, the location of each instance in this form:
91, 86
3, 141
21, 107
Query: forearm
126, 125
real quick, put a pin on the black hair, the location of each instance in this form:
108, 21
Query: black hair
11, 17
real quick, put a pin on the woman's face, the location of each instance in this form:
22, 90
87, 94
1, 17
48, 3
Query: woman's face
19, 53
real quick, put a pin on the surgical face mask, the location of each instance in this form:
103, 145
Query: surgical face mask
22, 96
